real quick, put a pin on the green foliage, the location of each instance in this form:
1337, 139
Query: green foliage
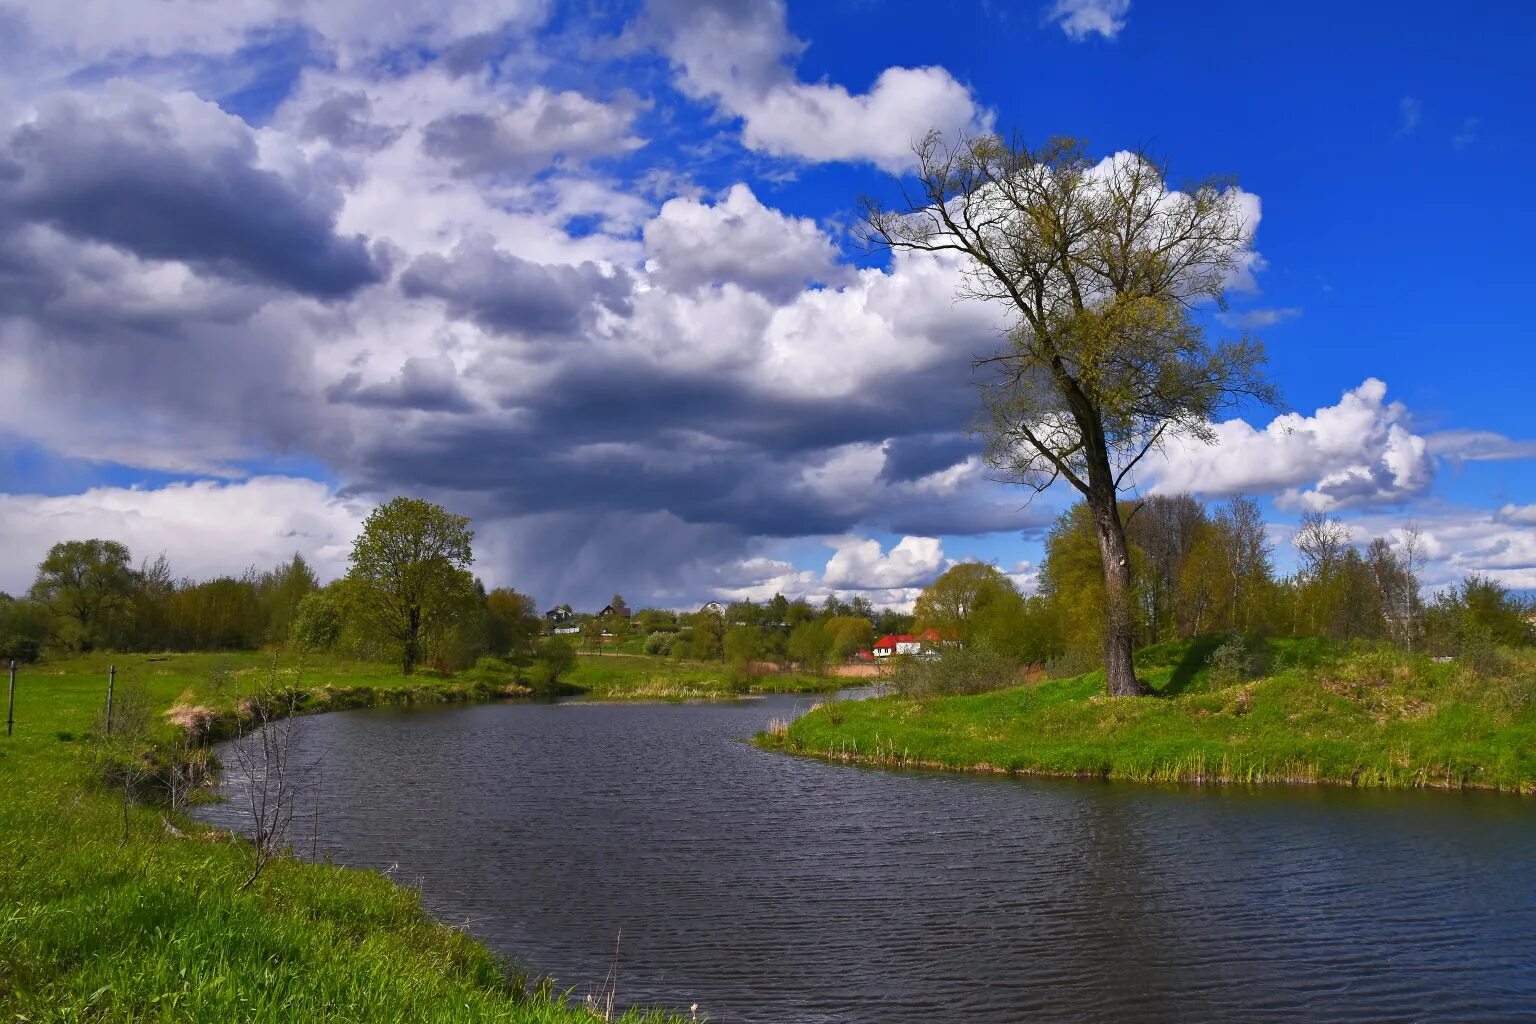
88, 587
556, 656
810, 645
408, 575
317, 622
974, 667
660, 642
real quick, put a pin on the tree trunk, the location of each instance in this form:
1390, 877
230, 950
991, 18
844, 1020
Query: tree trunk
412, 644
1119, 632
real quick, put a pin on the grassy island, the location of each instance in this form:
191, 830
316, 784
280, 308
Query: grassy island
1361, 715
114, 910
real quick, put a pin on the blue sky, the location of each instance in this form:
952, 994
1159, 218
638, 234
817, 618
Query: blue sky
584, 272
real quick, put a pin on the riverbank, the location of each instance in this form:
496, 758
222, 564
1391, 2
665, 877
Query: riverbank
1319, 714
117, 910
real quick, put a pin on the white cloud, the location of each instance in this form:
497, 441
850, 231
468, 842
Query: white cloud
1257, 319
740, 57
1358, 452
205, 528
860, 564
1524, 515
1080, 19
1409, 110
824, 122
737, 239
1478, 446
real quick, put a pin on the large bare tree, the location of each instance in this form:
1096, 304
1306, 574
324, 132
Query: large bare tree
1103, 269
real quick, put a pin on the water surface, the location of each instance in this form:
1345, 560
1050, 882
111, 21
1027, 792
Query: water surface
768, 888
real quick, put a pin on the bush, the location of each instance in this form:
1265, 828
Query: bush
660, 642
21, 649
972, 668
1231, 663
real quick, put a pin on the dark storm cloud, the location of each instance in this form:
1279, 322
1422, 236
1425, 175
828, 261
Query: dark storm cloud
627, 439
345, 120
506, 293
918, 455
425, 385
146, 177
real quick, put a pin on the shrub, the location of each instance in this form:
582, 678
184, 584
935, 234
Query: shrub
1231, 663
660, 642
972, 668
21, 649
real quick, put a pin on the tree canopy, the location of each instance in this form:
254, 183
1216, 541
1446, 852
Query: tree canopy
408, 575
1100, 267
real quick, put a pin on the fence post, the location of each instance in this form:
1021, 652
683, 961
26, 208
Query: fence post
10, 702
111, 680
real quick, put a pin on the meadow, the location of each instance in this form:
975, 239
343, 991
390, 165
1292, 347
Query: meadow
1316, 712
114, 909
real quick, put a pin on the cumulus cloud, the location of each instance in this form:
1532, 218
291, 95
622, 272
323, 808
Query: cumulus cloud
205, 528
1080, 19
503, 292
175, 178
1359, 452
1525, 515
740, 56
693, 244
859, 564
524, 137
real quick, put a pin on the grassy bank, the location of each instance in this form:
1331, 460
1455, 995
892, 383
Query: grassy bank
649, 678
1318, 714
106, 915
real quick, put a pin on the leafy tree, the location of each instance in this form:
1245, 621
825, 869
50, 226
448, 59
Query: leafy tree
84, 583
1099, 266
742, 644
555, 658
810, 644
281, 590
23, 629
707, 637
317, 622
512, 623
949, 602
408, 576
849, 634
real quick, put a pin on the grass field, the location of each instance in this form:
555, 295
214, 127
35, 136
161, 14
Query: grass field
1321, 714
106, 915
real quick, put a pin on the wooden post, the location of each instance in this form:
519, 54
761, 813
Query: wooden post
10, 703
111, 679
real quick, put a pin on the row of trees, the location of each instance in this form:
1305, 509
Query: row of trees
1198, 570
408, 596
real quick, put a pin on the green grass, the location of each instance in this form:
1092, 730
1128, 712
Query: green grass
1364, 717
649, 678
155, 928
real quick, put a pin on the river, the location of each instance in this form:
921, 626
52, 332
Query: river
768, 888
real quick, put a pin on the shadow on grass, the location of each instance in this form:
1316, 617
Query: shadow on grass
1196, 654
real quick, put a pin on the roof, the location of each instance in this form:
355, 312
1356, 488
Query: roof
892, 639
862, 654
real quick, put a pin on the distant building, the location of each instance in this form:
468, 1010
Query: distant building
712, 608
905, 643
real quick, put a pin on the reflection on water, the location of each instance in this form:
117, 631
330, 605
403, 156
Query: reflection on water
768, 888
